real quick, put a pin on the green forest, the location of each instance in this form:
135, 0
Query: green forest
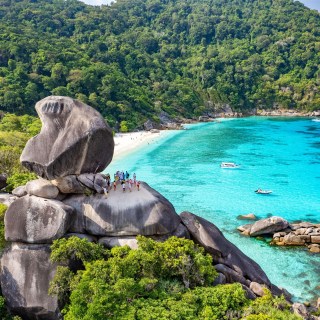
136, 58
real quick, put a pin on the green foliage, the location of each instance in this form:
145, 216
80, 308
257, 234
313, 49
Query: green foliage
3, 209
61, 284
123, 126
169, 280
269, 308
134, 58
75, 248
26, 124
19, 179
15, 131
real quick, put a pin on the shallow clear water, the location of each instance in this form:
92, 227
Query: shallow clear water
275, 153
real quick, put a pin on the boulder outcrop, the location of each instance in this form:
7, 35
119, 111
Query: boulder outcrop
267, 226
123, 214
222, 251
285, 234
42, 188
26, 272
32, 219
74, 139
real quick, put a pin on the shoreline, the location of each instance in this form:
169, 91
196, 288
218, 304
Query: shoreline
125, 143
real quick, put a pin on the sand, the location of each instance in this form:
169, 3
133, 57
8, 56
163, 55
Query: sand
128, 142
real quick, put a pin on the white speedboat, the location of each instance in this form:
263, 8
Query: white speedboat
229, 165
316, 120
260, 191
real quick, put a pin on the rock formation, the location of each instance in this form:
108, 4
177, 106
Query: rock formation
229, 260
285, 234
74, 139
69, 200
3, 181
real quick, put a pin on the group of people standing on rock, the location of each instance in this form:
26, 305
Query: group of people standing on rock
121, 178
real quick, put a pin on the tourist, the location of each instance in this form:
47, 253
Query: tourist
130, 185
127, 175
138, 185
123, 185
134, 179
114, 185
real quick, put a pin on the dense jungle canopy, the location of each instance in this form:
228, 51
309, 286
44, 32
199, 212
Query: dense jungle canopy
135, 58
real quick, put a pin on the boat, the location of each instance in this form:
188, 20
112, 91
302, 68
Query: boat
316, 120
260, 191
229, 165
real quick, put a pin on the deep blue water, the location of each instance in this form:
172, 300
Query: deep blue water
281, 154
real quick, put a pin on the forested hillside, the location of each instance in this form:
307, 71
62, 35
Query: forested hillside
135, 58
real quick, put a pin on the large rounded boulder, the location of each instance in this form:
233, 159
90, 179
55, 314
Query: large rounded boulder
37, 220
26, 272
268, 226
145, 212
74, 139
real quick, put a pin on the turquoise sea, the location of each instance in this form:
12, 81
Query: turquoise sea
281, 154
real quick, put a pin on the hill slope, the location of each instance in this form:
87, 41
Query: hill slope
135, 58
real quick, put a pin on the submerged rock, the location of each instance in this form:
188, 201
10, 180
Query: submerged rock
36, 220
222, 251
26, 272
74, 139
249, 216
144, 212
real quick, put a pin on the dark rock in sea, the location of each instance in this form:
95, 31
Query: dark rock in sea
42, 188
144, 212
74, 139
223, 251
3, 181
36, 220
26, 272
268, 226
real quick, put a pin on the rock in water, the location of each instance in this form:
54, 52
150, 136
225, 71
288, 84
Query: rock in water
36, 220
223, 251
145, 212
74, 139
269, 225
26, 272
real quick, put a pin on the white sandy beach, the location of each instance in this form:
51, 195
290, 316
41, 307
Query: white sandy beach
127, 142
